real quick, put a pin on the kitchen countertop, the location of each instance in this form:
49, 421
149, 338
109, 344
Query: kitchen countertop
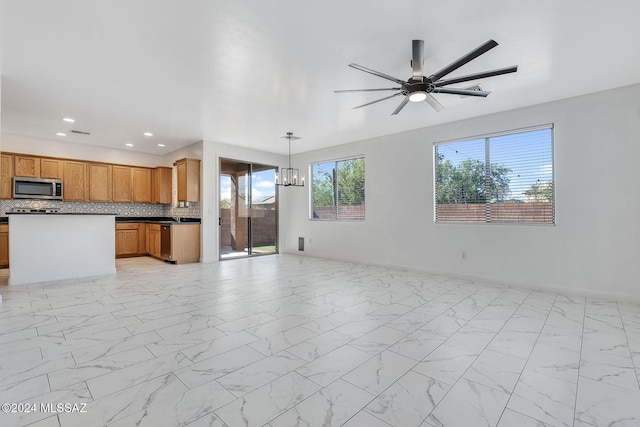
158, 219
58, 213
150, 219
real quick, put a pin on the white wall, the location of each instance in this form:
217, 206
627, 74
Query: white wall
594, 247
55, 148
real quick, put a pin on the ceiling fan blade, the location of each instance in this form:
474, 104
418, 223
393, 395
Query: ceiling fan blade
366, 90
377, 73
417, 58
401, 106
477, 76
377, 100
434, 102
464, 92
463, 60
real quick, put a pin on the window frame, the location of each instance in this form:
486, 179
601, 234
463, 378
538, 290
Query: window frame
486, 137
336, 161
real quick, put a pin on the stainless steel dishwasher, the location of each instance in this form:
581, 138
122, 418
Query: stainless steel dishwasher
165, 242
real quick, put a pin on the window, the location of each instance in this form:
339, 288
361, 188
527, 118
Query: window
337, 190
500, 178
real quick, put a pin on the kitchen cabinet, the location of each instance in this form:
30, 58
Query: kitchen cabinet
184, 244
51, 168
122, 184
188, 180
153, 239
161, 185
75, 181
141, 185
131, 239
4, 245
26, 166
6, 176
100, 182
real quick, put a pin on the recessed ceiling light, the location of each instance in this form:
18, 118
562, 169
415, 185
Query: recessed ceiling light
61, 134
161, 145
148, 134
129, 145
69, 120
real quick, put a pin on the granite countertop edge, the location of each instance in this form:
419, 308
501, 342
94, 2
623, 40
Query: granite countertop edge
119, 219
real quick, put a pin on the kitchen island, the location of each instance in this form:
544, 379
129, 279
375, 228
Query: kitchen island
54, 246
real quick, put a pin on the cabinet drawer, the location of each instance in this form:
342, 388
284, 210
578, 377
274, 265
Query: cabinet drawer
127, 226
154, 227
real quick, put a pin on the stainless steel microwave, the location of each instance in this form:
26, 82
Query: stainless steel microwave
25, 187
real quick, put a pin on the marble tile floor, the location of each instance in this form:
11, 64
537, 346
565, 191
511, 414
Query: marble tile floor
297, 341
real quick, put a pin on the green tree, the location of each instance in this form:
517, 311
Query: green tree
322, 186
540, 192
348, 189
351, 182
466, 182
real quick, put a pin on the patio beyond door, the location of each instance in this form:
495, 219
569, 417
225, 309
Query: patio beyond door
248, 209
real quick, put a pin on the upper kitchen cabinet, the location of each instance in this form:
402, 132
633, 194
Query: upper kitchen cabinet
51, 168
188, 180
75, 181
6, 176
161, 185
100, 182
122, 184
26, 166
37, 167
141, 185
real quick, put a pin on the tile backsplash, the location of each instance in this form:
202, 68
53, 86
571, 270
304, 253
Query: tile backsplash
120, 209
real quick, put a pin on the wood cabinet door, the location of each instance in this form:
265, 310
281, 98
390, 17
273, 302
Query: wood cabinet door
122, 185
154, 242
75, 181
51, 168
126, 242
100, 182
141, 185
6, 176
27, 166
188, 180
161, 185
4, 245
142, 239
181, 167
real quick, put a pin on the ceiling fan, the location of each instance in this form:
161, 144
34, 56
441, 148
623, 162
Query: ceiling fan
420, 88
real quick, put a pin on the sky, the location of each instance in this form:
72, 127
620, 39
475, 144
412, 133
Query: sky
263, 186
529, 155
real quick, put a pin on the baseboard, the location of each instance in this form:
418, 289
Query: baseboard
585, 292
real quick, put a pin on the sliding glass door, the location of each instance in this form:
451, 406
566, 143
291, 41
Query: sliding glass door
248, 209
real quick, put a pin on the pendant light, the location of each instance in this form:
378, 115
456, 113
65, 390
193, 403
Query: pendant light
288, 177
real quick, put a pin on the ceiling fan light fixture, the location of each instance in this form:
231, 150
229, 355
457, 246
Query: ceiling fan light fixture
418, 96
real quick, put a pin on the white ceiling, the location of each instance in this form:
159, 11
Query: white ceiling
245, 72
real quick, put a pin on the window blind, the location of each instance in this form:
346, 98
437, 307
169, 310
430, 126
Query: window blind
502, 178
337, 190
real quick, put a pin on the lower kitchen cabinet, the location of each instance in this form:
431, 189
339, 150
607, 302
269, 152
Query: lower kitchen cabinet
131, 239
153, 237
180, 243
4, 245
185, 244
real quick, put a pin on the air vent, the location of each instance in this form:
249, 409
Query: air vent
80, 132
474, 87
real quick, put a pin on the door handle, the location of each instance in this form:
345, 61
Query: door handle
219, 220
